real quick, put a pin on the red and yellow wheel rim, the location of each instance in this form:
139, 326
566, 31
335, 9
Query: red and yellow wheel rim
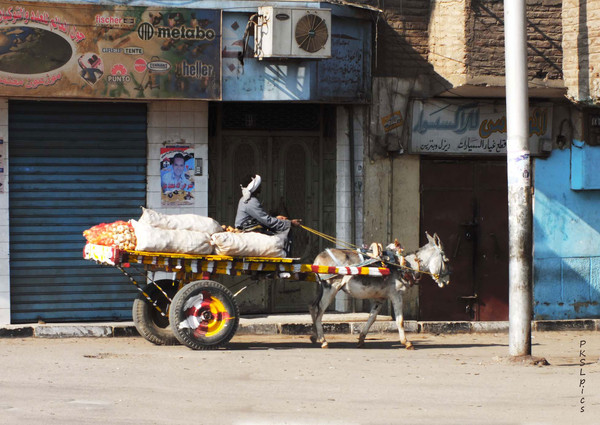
205, 315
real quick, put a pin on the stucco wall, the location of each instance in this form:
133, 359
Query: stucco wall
391, 176
392, 204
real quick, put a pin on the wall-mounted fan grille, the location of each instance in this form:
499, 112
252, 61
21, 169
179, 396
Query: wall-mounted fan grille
282, 33
311, 33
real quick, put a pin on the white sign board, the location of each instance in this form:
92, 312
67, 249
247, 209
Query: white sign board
471, 127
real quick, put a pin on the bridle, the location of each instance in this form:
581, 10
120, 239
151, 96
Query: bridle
413, 276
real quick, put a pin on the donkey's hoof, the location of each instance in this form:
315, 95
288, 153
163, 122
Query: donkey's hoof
361, 343
325, 345
313, 339
409, 346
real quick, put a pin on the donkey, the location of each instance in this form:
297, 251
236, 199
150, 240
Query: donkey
430, 259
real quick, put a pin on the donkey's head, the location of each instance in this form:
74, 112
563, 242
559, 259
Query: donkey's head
434, 260
431, 259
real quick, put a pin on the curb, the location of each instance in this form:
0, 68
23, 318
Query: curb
127, 329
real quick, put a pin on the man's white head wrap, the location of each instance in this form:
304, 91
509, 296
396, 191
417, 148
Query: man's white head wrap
252, 186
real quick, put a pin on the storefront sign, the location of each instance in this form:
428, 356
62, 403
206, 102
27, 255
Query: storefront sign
177, 175
99, 51
459, 127
392, 121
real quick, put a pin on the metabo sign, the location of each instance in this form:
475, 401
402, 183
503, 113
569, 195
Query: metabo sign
147, 31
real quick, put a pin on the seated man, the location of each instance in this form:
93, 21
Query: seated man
251, 216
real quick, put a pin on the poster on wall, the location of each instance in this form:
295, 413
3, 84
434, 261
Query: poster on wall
472, 127
177, 175
116, 52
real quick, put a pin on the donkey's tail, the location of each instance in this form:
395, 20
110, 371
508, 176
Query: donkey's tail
316, 304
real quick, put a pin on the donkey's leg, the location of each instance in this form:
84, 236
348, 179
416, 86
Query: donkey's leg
314, 308
375, 309
329, 292
396, 299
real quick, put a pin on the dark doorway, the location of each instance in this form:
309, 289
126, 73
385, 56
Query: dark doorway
293, 149
465, 202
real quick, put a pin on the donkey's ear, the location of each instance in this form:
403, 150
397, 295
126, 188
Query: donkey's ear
398, 246
429, 238
437, 240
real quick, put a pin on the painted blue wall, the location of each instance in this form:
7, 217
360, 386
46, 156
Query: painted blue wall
345, 77
566, 234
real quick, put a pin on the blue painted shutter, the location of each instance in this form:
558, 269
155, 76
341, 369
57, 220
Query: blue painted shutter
72, 165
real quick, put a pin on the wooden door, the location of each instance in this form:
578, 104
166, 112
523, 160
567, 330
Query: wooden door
465, 201
298, 181
290, 181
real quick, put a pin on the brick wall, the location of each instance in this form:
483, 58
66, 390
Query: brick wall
402, 45
485, 35
459, 41
581, 24
447, 40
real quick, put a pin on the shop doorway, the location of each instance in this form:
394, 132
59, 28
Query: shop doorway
292, 150
72, 165
465, 202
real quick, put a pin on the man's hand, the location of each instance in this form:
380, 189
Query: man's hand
296, 222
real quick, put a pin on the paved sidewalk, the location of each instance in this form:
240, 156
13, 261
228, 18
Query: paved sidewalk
296, 324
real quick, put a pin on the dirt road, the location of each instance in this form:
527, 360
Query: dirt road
451, 379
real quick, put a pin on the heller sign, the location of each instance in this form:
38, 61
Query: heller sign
468, 128
99, 51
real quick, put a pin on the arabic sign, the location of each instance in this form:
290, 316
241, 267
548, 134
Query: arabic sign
392, 121
459, 127
96, 51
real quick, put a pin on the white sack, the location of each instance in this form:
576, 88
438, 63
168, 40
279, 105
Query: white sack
153, 239
249, 244
194, 222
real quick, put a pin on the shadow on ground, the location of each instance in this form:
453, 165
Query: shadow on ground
370, 344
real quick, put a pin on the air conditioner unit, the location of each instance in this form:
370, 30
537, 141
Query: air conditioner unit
292, 33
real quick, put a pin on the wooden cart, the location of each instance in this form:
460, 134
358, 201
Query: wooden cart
194, 309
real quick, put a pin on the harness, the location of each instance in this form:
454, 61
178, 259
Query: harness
387, 259
411, 275
363, 263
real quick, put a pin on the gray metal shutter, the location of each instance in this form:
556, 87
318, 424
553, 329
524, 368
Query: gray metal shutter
72, 165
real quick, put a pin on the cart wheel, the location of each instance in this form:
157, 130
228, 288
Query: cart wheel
204, 315
148, 321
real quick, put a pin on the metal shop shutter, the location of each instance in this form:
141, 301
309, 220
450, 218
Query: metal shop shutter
72, 165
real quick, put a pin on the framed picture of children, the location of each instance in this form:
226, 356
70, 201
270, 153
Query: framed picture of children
177, 175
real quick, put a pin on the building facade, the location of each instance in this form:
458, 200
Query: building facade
97, 98
401, 131
439, 69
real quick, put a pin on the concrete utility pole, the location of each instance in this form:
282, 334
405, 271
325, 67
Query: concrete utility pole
519, 178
